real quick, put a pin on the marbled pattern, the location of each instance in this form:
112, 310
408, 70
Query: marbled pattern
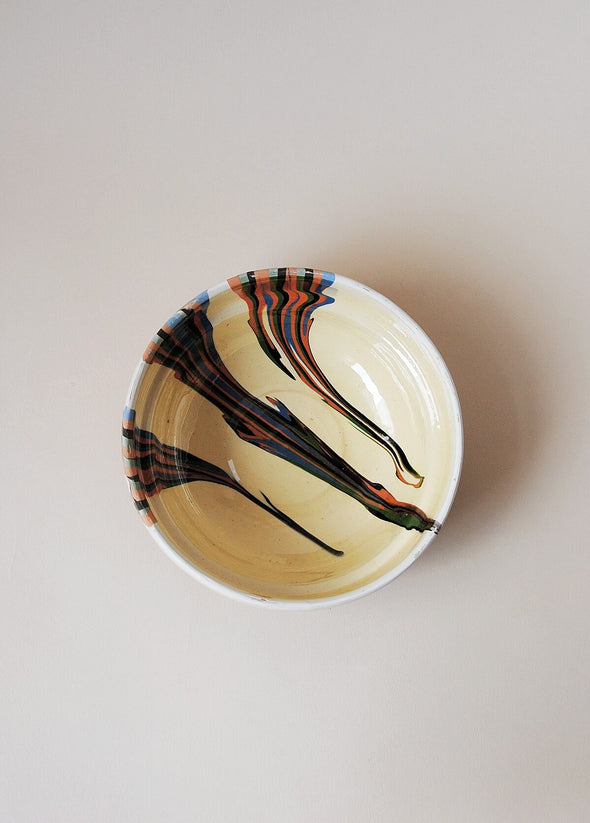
281, 303
152, 466
186, 345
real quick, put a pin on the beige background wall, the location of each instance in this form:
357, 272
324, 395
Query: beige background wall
439, 153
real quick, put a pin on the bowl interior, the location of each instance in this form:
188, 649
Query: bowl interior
292, 435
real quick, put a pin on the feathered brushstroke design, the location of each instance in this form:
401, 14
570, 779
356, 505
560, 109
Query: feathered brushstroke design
281, 303
185, 345
152, 466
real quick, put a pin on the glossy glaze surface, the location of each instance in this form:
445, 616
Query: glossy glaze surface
293, 436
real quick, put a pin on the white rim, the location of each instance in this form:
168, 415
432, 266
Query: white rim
427, 537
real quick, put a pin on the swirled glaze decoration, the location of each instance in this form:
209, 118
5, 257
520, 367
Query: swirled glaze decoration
186, 345
152, 466
280, 304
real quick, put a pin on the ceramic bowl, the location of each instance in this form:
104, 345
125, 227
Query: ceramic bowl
293, 438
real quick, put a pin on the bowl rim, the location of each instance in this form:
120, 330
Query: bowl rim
305, 604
